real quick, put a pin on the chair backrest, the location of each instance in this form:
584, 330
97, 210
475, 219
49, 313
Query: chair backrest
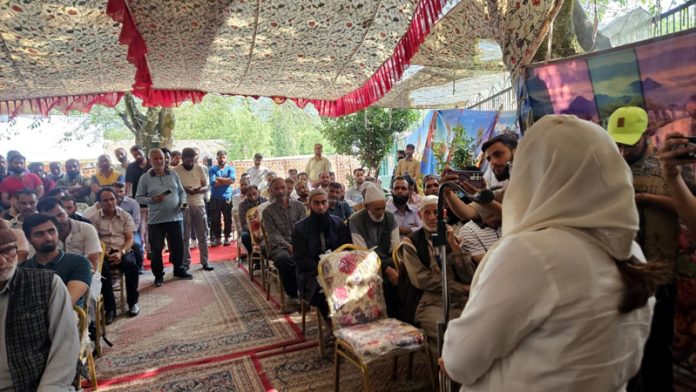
254, 221
352, 283
237, 223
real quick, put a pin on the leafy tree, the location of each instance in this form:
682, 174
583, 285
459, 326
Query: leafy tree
368, 134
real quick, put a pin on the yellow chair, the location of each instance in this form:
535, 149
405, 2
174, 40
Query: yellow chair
352, 283
85, 356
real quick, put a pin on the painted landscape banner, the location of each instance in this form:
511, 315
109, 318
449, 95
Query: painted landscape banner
659, 76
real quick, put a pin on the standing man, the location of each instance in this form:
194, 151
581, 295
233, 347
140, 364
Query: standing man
176, 158
657, 236
122, 158
18, 179
406, 214
409, 165
76, 184
74, 270
317, 165
222, 176
279, 219
56, 171
257, 173
115, 228
195, 183
374, 227
161, 191
354, 195
135, 170
105, 175
133, 208
37, 348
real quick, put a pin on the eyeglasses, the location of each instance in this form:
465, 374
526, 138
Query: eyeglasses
9, 252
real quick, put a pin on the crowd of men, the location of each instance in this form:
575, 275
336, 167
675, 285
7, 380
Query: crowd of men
167, 198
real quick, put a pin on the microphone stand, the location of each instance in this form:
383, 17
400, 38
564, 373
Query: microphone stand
439, 239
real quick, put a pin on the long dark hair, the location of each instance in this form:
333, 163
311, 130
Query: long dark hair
641, 281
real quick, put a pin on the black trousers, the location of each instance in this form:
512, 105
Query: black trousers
656, 372
156, 234
286, 268
220, 207
129, 267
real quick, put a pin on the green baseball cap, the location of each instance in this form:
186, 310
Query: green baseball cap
627, 124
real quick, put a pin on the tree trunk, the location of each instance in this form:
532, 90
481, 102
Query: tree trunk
166, 127
155, 123
564, 43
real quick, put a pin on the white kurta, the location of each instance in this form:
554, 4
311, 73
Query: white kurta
544, 316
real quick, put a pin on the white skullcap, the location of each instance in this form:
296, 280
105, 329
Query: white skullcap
373, 193
426, 201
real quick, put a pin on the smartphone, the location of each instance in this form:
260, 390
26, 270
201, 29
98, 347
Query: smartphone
473, 177
689, 155
167, 192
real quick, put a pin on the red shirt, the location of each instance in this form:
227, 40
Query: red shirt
12, 184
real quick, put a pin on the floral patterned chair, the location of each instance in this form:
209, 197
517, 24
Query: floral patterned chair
352, 283
257, 256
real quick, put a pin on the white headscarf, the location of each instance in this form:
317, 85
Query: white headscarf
568, 173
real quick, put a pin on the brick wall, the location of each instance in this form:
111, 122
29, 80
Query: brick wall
342, 165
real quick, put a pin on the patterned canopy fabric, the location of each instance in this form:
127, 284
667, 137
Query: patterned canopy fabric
338, 55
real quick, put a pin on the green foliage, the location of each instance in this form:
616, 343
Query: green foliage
244, 126
368, 134
463, 146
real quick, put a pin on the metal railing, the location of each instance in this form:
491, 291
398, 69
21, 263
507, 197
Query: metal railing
677, 19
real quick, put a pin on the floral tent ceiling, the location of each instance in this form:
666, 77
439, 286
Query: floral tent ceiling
338, 55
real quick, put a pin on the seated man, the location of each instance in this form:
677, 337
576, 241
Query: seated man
477, 236
302, 192
279, 219
24, 203
406, 214
71, 208
116, 230
42, 233
75, 237
313, 236
37, 347
431, 185
376, 227
423, 306
251, 199
337, 207
75, 182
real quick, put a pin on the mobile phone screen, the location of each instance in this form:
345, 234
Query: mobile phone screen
168, 191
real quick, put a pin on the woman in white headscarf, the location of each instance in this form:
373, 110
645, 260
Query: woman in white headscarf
561, 303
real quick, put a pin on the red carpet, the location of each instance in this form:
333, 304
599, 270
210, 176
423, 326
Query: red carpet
218, 253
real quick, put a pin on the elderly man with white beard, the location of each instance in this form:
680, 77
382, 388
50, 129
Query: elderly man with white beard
375, 227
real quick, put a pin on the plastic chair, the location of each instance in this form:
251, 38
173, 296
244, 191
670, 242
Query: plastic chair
352, 283
85, 356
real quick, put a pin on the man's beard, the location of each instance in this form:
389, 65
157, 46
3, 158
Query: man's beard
400, 200
505, 175
320, 219
430, 229
188, 168
73, 175
47, 247
374, 219
17, 170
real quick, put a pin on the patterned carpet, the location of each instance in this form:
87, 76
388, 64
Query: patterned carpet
219, 333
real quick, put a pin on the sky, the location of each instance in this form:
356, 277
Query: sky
44, 143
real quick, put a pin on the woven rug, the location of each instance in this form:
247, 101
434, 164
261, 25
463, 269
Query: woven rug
217, 253
299, 369
216, 315
231, 375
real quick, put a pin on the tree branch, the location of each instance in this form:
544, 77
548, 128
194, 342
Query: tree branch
126, 121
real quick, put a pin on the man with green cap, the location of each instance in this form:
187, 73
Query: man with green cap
658, 237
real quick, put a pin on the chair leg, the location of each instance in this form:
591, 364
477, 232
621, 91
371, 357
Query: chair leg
337, 369
366, 377
431, 368
322, 349
303, 310
264, 269
92, 372
410, 365
281, 294
394, 368
100, 325
123, 292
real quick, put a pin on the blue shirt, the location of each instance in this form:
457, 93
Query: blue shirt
224, 191
168, 210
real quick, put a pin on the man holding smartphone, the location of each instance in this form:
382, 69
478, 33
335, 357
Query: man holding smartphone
161, 190
195, 182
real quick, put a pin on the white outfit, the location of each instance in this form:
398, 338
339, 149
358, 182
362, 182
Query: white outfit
543, 311
257, 176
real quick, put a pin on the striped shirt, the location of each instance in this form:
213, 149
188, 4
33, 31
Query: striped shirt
475, 240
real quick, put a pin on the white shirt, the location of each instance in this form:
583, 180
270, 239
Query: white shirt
257, 176
543, 316
193, 178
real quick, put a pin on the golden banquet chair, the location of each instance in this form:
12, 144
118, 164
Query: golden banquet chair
85, 355
257, 255
352, 283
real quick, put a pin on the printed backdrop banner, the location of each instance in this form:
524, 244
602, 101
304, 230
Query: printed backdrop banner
433, 136
658, 75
